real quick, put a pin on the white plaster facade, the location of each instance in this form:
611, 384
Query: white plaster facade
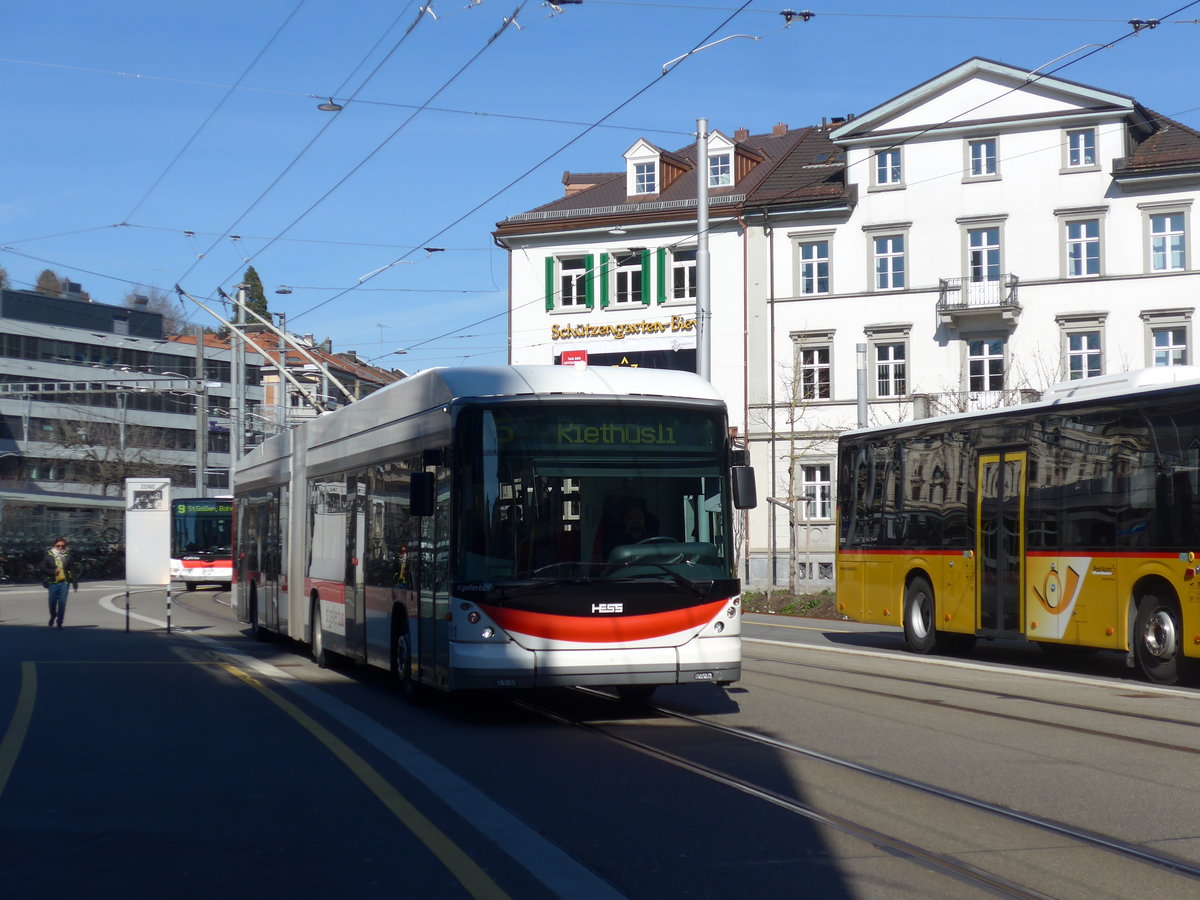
993, 231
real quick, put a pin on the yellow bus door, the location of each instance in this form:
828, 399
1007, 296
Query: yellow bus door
1000, 542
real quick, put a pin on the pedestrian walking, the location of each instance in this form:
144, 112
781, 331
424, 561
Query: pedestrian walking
59, 574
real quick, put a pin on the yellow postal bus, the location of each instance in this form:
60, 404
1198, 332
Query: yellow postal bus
1071, 521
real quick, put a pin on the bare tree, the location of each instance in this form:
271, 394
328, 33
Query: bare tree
156, 300
5, 284
106, 453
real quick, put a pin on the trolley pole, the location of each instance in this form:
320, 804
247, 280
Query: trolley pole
703, 284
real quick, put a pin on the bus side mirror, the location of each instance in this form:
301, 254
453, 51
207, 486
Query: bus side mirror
421, 500
745, 494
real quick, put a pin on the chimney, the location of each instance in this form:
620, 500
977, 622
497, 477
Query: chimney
780, 130
140, 301
741, 134
574, 183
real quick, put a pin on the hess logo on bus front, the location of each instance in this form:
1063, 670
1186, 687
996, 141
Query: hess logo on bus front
602, 608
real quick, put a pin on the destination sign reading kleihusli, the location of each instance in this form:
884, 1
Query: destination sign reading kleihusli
530, 430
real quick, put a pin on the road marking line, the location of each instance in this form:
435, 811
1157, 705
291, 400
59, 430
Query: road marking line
10, 747
562, 874
746, 622
462, 867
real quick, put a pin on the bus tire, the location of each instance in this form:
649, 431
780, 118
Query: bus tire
256, 629
920, 617
320, 655
190, 586
1158, 638
401, 659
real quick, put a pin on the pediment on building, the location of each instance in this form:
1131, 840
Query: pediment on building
978, 92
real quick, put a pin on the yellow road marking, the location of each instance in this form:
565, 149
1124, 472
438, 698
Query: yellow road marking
462, 867
10, 747
470, 876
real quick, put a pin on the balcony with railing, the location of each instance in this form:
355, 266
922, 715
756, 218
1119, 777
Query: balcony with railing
962, 299
950, 402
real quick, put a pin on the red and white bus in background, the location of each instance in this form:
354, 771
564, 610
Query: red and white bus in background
506, 527
201, 541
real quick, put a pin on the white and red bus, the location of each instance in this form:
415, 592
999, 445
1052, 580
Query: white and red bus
201, 541
478, 528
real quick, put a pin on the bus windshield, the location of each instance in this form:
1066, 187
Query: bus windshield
558, 492
201, 526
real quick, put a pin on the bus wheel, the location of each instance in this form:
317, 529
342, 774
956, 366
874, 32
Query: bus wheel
1156, 635
191, 586
320, 655
402, 663
920, 622
256, 630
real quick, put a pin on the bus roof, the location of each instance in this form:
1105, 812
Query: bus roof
1066, 394
435, 388
492, 381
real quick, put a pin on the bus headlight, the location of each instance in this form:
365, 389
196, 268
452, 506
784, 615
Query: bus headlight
718, 627
487, 633
473, 617
731, 612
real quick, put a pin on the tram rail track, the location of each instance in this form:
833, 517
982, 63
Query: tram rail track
953, 865
999, 695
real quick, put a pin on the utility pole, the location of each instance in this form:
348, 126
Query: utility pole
280, 388
237, 402
201, 416
703, 300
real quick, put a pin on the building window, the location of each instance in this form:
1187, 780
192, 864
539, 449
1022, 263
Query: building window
1169, 346
1081, 148
628, 280
814, 371
1168, 242
985, 365
981, 158
683, 274
888, 172
572, 282
813, 267
645, 178
891, 369
1084, 357
720, 170
816, 492
1083, 248
889, 262
983, 253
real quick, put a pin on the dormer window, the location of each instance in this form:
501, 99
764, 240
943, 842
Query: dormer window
645, 178
720, 170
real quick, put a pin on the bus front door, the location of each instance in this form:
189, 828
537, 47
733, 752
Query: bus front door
999, 537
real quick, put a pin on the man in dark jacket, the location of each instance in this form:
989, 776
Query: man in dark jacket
58, 575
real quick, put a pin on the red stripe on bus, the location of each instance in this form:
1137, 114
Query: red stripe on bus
603, 629
201, 564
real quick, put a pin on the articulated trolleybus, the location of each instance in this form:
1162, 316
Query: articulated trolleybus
1073, 521
510, 527
201, 541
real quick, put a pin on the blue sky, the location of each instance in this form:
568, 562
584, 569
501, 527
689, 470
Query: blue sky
140, 138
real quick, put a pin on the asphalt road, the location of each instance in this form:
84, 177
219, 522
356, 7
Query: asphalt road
200, 763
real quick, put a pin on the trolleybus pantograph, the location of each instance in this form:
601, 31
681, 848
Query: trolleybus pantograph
508, 527
1072, 521
201, 541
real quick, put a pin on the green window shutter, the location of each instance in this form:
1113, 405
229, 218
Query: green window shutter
605, 266
550, 283
589, 291
662, 274
646, 282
